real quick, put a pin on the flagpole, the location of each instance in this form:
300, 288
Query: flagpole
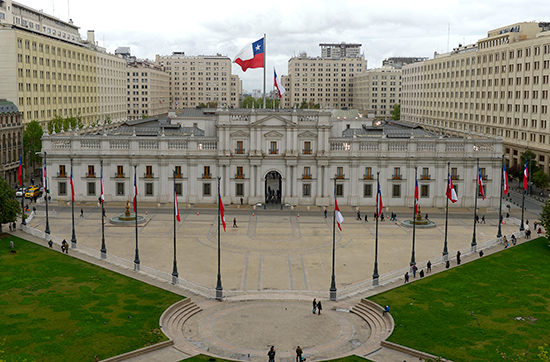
103, 249
73, 238
175, 269
445, 250
219, 288
265, 48
375, 273
499, 233
46, 196
413, 261
521, 226
474, 243
136, 260
333, 278
21, 183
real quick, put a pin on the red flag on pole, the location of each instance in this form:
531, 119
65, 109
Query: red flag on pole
337, 213
505, 188
480, 182
525, 176
20, 173
451, 192
416, 197
176, 206
222, 212
72, 185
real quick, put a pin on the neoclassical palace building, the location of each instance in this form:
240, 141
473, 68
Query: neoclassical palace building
291, 156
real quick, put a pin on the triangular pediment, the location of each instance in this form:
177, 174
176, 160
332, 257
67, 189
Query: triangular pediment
307, 134
239, 134
274, 121
273, 134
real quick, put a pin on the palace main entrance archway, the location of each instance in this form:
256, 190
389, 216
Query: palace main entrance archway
273, 188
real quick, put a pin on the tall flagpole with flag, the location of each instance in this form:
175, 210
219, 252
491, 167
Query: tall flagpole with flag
379, 207
502, 191
73, 238
175, 274
221, 218
45, 173
101, 199
20, 178
136, 260
525, 182
451, 195
413, 261
337, 219
265, 46
479, 189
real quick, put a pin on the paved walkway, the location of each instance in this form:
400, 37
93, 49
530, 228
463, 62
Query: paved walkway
271, 250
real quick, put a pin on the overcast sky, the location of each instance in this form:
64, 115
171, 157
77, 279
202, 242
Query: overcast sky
396, 28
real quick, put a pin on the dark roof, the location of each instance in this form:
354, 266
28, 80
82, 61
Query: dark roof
7, 107
391, 129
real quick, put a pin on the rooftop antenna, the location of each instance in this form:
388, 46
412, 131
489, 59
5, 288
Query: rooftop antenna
448, 36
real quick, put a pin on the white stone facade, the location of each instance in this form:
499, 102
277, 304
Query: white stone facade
246, 147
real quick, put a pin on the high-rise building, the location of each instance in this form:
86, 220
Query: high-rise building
496, 87
148, 90
46, 69
11, 140
325, 81
376, 91
205, 79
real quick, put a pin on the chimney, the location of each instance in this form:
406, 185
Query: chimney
91, 37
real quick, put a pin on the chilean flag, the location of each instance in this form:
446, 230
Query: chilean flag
177, 211
379, 205
480, 182
20, 173
505, 179
280, 89
337, 213
416, 197
525, 176
101, 184
72, 184
251, 56
222, 211
451, 192
135, 192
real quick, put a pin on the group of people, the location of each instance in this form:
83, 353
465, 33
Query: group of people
414, 269
317, 306
299, 353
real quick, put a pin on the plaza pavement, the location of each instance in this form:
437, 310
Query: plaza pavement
271, 250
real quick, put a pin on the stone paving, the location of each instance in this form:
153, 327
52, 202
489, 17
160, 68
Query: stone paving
271, 250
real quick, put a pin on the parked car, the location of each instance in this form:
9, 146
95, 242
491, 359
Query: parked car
33, 191
20, 192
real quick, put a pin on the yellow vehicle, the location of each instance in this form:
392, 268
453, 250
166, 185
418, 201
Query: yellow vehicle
33, 191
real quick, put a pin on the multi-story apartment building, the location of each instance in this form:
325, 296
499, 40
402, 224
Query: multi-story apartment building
324, 81
46, 69
11, 140
376, 91
200, 79
496, 87
148, 90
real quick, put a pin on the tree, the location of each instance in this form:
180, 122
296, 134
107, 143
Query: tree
515, 171
532, 164
58, 123
540, 179
32, 141
396, 112
9, 207
545, 217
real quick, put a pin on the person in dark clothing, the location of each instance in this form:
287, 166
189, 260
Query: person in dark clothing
319, 308
299, 354
271, 354
406, 277
325, 212
421, 273
429, 267
358, 215
314, 305
458, 257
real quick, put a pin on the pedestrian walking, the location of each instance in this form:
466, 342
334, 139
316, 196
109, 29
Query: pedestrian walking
271, 354
314, 305
50, 243
483, 219
81, 212
359, 216
429, 267
477, 218
406, 277
366, 217
319, 308
421, 273
325, 212
65, 246
507, 215
414, 269
447, 264
14, 226
481, 253
427, 216
381, 216
235, 222
10, 226
458, 257
299, 354
514, 240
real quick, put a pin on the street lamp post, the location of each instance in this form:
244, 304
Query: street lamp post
73, 238
47, 193
136, 260
333, 278
23, 222
375, 274
474, 243
499, 232
219, 288
103, 247
175, 268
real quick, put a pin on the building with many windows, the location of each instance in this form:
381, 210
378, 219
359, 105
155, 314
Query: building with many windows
376, 91
497, 87
11, 140
203, 79
326, 81
148, 90
46, 69
297, 157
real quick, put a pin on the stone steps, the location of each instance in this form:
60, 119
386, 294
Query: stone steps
381, 326
172, 321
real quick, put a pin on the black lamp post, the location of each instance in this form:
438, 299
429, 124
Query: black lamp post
474, 243
73, 238
413, 261
47, 194
175, 268
499, 232
23, 222
103, 247
219, 288
136, 260
333, 278
375, 274
445, 250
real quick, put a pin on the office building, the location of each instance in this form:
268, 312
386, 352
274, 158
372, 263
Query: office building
148, 90
11, 141
377, 91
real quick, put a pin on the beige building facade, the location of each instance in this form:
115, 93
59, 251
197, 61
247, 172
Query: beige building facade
324, 81
148, 90
11, 141
497, 87
46, 69
376, 91
200, 79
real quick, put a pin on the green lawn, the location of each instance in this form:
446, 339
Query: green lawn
56, 308
499, 302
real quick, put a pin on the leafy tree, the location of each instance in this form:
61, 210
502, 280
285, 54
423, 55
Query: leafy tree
545, 217
9, 207
108, 120
516, 170
58, 123
32, 141
540, 179
396, 112
250, 102
532, 164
